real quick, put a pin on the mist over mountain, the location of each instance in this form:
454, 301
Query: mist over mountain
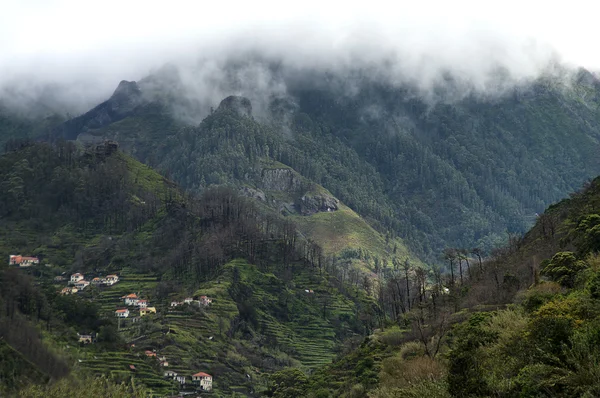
60, 49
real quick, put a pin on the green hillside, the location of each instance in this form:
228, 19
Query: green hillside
524, 324
277, 299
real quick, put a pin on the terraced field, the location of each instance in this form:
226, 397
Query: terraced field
292, 326
117, 365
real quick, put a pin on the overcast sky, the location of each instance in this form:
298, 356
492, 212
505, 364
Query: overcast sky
80, 42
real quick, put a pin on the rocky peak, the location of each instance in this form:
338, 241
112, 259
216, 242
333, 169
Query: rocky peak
241, 105
126, 96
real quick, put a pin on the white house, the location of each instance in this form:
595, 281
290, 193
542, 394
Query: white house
76, 278
68, 290
174, 303
123, 313
204, 379
180, 379
98, 281
188, 300
131, 299
142, 303
111, 279
82, 284
170, 373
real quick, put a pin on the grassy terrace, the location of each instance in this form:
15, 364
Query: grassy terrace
196, 339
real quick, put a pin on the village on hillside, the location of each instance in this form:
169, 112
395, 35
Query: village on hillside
129, 309
132, 308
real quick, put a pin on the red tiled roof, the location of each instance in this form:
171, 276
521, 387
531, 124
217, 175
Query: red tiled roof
122, 311
132, 295
201, 374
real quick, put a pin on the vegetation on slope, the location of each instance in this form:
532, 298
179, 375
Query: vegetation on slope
525, 324
278, 299
452, 172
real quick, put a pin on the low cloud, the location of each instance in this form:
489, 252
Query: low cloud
67, 55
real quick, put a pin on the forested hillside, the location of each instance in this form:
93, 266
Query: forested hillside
523, 323
437, 172
278, 299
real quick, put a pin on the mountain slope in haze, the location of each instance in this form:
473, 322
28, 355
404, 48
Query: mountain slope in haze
453, 172
278, 301
229, 147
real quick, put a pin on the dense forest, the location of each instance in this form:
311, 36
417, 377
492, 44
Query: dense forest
449, 172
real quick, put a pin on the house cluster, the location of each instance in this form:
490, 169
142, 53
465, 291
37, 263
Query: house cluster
77, 282
204, 380
109, 280
22, 261
204, 302
133, 300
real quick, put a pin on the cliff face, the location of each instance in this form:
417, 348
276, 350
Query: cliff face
285, 180
311, 204
303, 197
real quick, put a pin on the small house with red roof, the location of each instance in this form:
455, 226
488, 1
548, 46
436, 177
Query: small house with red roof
131, 299
98, 281
203, 379
22, 261
142, 303
122, 313
82, 284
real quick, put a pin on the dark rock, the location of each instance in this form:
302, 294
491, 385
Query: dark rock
311, 204
280, 180
253, 193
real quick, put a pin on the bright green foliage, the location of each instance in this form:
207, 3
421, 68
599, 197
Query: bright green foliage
563, 268
589, 230
466, 376
288, 383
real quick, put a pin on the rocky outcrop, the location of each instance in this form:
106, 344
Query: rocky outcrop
311, 204
240, 105
125, 99
280, 180
253, 193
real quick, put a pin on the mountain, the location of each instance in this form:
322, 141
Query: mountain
278, 299
446, 170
